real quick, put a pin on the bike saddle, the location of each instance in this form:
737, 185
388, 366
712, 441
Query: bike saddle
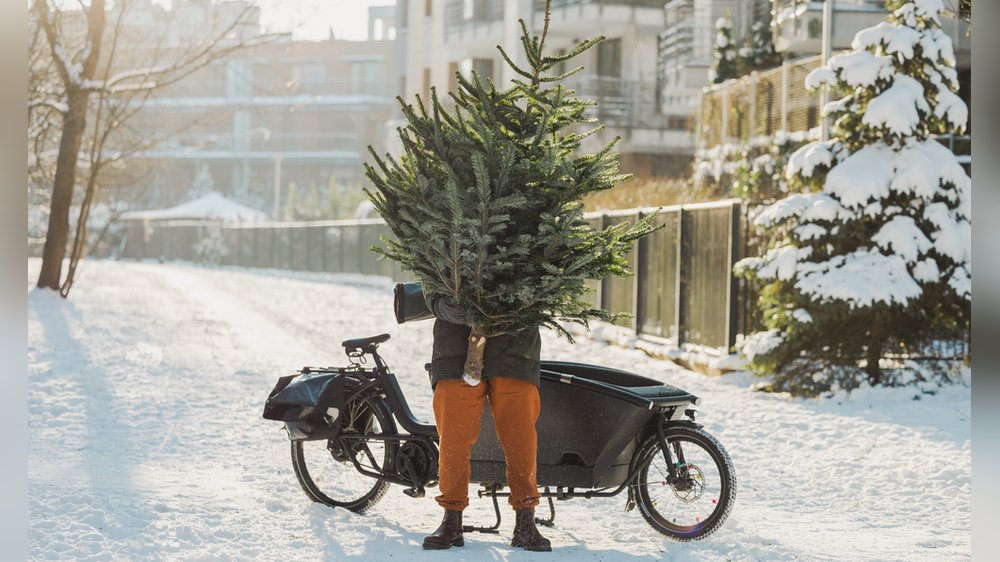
364, 344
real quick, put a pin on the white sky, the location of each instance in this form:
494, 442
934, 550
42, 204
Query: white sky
312, 19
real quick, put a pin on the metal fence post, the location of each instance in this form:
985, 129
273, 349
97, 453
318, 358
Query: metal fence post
784, 96
725, 116
605, 288
680, 285
308, 232
731, 287
274, 245
323, 241
639, 281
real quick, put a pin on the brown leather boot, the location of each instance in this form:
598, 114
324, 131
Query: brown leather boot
526, 535
449, 534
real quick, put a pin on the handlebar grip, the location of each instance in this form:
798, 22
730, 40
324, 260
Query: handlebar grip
409, 303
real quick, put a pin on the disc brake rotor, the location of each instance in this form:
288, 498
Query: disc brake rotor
690, 484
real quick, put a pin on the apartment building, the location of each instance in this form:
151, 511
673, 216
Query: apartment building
442, 37
286, 118
758, 105
798, 26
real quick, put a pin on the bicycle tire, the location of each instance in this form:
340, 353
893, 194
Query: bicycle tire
649, 454
325, 473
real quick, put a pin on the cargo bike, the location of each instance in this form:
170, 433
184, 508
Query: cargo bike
601, 432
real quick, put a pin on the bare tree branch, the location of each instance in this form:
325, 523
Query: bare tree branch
112, 95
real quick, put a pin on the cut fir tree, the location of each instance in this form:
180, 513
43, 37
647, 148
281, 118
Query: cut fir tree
485, 201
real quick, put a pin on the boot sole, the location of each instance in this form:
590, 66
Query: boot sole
532, 548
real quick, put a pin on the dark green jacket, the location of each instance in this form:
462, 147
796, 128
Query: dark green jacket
511, 355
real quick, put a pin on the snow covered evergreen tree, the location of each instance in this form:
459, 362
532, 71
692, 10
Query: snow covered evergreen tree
485, 203
760, 54
873, 255
724, 59
202, 184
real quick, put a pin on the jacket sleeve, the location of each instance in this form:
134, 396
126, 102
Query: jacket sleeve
445, 308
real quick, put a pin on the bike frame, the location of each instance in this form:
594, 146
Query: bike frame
380, 381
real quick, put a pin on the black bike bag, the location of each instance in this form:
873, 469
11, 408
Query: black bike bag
309, 403
409, 303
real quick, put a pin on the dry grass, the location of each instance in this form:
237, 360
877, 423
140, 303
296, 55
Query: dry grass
649, 193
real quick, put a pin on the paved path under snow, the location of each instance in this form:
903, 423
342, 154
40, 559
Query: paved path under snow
146, 441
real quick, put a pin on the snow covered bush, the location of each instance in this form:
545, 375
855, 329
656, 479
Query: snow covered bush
211, 247
752, 171
871, 258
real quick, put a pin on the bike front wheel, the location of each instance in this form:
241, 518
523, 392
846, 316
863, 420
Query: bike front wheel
327, 472
696, 502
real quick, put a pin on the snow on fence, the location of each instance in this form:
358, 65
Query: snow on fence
683, 290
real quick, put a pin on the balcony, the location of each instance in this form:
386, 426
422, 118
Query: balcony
628, 108
473, 20
658, 4
798, 26
588, 17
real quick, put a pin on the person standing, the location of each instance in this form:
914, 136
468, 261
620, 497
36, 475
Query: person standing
511, 368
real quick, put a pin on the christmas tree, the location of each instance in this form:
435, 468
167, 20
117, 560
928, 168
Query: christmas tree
485, 202
873, 253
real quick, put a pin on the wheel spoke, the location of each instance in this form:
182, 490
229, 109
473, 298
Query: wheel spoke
338, 482
696, 502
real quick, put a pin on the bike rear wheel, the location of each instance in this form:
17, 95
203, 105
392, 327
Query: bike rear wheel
326, 472
697, 503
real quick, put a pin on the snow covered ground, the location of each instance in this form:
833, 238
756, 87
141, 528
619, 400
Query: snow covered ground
146, 441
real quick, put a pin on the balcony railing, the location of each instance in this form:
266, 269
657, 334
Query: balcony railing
217, 88
620, 102
460, 15
658, 4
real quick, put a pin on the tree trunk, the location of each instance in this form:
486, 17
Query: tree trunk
874, 350
74, 124
474, 358
80, 240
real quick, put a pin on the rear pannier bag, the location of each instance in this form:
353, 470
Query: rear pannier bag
309, 403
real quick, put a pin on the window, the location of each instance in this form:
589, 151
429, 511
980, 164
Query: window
427, 8
609, 58
452, 79
484, 68
815, 28
367, 77
309, 73
427, 86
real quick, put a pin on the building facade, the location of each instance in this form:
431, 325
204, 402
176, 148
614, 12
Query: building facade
752, 108
442, 37
283, 126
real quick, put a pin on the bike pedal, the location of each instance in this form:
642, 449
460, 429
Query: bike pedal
414, 492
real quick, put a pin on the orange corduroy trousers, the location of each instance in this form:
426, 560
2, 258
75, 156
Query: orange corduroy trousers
458, 412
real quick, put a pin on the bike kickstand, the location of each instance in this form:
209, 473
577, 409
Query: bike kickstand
552, 513
496, 526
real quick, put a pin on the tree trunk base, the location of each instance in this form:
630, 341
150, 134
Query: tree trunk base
474, 359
